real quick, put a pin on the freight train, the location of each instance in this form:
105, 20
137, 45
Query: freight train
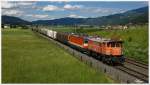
107, 50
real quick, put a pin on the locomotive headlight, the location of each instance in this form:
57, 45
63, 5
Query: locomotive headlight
85, 44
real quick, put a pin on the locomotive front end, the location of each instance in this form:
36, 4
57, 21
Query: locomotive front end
117, 51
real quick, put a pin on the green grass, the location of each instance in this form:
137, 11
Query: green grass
29, 58
73, 29
135, 39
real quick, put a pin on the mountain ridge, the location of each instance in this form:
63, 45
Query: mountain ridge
136, 16
14, 20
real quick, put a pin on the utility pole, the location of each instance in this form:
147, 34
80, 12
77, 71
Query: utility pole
75, 28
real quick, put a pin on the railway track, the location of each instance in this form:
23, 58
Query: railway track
137, 63
138, 75
135, 68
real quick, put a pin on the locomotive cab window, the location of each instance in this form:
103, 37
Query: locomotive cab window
117, 44
86, 41
112, 44
108, 44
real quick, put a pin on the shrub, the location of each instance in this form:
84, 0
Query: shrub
130, 39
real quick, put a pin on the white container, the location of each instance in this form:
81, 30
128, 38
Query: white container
50, 33
54, 34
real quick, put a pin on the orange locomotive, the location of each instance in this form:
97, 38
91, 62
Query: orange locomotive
107, 50
79, 41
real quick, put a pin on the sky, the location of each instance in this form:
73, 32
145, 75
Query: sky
48, 10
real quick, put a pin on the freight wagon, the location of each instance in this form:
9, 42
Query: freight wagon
62, 37
51, 34
78, 42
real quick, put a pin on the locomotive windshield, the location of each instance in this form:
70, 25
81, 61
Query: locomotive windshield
118, 44
85, 40
114, 44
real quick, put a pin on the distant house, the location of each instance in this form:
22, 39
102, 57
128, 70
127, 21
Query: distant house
125, 27
117, 27
5, 26
84, 26
108, 27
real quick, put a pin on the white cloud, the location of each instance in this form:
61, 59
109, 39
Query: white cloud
75, 16
36, 7
51, 8
108, 10
65, 7
25, 3
6, 4
12, 12
10, 8
100, 11
17, 4
72, 7
39, 16
35, 17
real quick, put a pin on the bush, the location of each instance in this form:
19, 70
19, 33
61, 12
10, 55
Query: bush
24, 27
130, 39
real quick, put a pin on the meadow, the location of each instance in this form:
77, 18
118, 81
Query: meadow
30, 58
135, 39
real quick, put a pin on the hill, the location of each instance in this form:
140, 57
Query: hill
61, 21
136, 16
13, 20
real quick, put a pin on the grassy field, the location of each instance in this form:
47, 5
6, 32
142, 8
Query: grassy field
135, 39
29, 58
73, 29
